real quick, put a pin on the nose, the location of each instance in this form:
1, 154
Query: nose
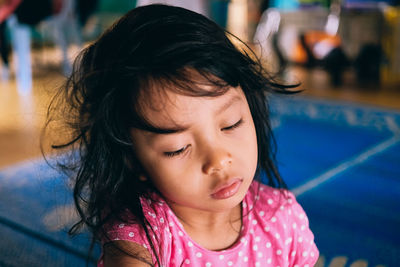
216, 159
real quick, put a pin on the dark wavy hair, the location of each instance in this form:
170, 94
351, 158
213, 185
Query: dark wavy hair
99, 103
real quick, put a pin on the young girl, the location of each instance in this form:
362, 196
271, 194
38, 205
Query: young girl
171, 126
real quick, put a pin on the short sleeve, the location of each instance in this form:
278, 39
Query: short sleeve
303, 250
132, 232
156, 228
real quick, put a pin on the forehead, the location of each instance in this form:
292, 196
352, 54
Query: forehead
162, 107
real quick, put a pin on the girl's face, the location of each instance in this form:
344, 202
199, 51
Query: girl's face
207, 157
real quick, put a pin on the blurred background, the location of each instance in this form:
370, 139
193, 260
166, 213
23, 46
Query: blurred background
345, 54
345, 50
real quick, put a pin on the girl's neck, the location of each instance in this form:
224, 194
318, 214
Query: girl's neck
213, 231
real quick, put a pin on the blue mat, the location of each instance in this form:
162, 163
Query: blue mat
342, 162
36, 212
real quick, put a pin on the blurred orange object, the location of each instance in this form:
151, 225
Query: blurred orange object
390, 70
318, 42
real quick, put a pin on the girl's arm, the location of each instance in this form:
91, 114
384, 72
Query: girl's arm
126, 254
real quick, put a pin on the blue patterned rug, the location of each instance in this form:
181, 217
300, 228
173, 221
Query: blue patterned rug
342, 161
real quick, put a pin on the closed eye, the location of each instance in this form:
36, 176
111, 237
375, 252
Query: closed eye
177, 152
237, 124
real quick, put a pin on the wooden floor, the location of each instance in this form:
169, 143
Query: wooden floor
22, 116
316, 83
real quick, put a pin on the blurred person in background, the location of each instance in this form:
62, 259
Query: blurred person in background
7, 7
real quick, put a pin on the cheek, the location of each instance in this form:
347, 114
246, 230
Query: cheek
166, 172
175, 184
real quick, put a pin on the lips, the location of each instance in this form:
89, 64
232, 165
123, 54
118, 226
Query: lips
228, 189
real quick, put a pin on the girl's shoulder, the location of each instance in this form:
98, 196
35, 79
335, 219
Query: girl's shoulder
129, 228
276, 215
155, 212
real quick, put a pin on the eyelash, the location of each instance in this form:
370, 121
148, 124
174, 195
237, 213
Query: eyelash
177, 152
180, 151
234, 126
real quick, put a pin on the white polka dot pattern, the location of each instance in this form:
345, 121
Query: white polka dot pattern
274, 233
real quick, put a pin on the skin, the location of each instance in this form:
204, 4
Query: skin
212, 143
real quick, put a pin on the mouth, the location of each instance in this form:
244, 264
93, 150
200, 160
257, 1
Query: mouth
228, 189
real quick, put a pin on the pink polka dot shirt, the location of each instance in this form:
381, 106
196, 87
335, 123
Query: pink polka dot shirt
275, 232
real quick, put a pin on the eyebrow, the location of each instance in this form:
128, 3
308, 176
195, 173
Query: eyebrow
167, 130
182, 128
